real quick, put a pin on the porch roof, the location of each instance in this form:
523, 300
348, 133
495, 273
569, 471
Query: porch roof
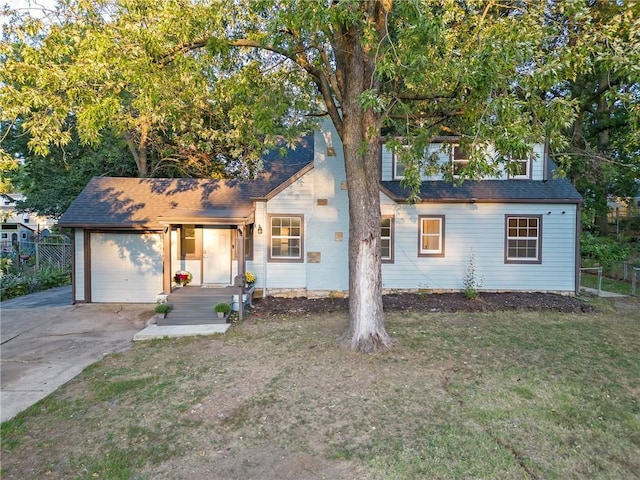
150, 203
220, 216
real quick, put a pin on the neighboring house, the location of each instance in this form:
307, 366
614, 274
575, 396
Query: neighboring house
291, 226
623, 208
18, 230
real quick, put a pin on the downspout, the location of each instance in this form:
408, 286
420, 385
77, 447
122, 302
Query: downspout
265, 229
578, 231
240, 278
74, 272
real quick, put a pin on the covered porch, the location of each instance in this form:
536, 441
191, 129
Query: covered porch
211, 247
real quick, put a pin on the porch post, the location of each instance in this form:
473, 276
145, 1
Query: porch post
241, 269
166, 259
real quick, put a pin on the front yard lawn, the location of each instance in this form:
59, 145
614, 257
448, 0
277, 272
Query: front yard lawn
498, 395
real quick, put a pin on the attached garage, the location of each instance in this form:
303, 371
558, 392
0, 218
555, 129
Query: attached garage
125, 267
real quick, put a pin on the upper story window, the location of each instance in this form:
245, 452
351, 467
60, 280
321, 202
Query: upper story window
431, 236
398, 166
522, 169
386, 240
523, 239
459, 159
286, 238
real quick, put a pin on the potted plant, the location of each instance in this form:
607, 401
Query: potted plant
250, 279
222, 309
162, 309
182, 277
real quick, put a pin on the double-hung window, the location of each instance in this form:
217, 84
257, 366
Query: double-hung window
386, 240
398, 166
286, 238
523, 239
459, 159
431, 236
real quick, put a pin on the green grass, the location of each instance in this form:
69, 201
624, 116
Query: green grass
502, 395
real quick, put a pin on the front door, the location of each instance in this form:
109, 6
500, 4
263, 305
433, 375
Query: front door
216, 255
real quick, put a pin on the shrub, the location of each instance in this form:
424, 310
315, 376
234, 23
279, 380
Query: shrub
20, 283
471, 281
601, 251
222, 307
163, 308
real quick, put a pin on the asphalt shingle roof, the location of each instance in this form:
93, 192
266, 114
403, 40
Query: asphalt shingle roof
558, 190
111, 202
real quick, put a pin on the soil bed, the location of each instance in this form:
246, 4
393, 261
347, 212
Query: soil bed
441, 302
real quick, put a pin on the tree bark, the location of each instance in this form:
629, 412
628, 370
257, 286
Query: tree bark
360, 129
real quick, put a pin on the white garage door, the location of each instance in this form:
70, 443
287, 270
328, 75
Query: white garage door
126, 267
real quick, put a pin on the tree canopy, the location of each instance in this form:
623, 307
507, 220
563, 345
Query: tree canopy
226, 76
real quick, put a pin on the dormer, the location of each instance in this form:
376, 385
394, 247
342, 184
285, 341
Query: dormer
446, 157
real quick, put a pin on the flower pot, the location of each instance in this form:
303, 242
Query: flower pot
220, 315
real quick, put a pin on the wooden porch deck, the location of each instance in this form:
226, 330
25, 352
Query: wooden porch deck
193, 305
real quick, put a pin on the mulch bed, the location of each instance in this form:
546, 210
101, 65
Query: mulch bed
437, 302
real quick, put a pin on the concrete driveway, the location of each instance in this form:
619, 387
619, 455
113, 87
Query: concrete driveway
46, 342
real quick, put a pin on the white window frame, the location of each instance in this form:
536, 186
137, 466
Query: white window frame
398, 165
299, 238
527, 168
387, 238
518, 236
457, 163
437, 252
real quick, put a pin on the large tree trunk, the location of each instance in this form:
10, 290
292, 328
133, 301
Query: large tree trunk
360, 130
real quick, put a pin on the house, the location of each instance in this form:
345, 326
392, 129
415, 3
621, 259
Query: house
19, 230
291, 227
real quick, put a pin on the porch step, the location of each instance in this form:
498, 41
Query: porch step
194, 306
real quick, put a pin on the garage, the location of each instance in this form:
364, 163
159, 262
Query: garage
126, 267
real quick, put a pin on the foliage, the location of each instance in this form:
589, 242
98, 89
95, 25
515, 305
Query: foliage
228, 73
112, 67
602, 251
50, 183
19, 283
471, 282
222, 307
601, 78
162, 308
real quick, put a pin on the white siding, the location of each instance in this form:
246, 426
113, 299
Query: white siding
480, 228
78, 295
326, 227
474, 227
386, 164
537, 167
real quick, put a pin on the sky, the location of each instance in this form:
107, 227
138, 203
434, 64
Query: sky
34, 7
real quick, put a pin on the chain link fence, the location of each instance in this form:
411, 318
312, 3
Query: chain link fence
626, 275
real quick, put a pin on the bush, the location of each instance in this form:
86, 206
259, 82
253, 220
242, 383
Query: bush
163, 308
19, 283
601, 251
222, 307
